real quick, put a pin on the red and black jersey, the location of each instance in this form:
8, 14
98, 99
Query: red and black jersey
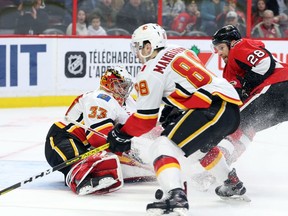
250, 62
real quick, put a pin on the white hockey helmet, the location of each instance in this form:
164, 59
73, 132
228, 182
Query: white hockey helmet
151, 32
117, 81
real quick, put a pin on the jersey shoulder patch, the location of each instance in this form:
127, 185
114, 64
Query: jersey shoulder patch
104, 97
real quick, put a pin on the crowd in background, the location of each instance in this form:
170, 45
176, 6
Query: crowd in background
120, 17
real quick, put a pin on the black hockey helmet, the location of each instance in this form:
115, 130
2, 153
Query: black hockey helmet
225, 35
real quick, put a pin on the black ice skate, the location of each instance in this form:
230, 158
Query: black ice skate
90, 185
232, 189
175, 202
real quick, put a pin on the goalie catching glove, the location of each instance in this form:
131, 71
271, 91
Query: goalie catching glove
100, 173
118, 141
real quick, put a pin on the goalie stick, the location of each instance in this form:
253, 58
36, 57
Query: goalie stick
68, 162
56, 168
135, 162
94, 131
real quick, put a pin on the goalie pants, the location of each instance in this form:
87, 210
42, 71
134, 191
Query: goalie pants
204, 128
61, 146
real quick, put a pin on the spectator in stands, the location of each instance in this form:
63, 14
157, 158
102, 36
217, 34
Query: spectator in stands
83, 4
230, 5
68, 12
210, 9
285, 32
95, 27
81, 25
267, 28
32, 18
151, 6
107, 13
277, 6
221, 18
233, 6
232, 19
282, 21
171, 9
280, 9
87, 5
133, 14
118, 4
257, 15
189, 20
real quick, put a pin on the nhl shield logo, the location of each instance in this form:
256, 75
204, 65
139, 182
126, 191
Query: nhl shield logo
75, 64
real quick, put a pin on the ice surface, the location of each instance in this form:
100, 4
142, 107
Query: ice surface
263, 168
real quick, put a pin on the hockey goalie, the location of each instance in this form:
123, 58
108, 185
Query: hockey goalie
99, 110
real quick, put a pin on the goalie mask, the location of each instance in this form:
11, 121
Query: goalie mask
150, 32
118, 82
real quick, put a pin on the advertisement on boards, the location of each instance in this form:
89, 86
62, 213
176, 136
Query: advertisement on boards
22, 67
71, 66
83, 63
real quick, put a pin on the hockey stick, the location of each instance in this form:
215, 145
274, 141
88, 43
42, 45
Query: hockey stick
90, 129
122, 158
56, 168
85, 127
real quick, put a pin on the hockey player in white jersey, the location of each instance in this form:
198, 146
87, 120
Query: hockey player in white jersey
210, 105
98, 110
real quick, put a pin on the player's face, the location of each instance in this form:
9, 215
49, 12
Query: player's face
147, 51
222, 50
142, 53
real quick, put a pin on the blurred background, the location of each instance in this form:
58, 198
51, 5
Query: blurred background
196, 18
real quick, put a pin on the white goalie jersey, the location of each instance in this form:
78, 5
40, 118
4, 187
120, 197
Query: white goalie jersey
100, 111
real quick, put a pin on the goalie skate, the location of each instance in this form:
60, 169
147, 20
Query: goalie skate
91, 185
175, 204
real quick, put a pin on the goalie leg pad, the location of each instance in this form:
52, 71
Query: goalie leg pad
98, 174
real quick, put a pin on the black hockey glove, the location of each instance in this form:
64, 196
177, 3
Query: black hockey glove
244, 92
119, 142
168, 115
165, 112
